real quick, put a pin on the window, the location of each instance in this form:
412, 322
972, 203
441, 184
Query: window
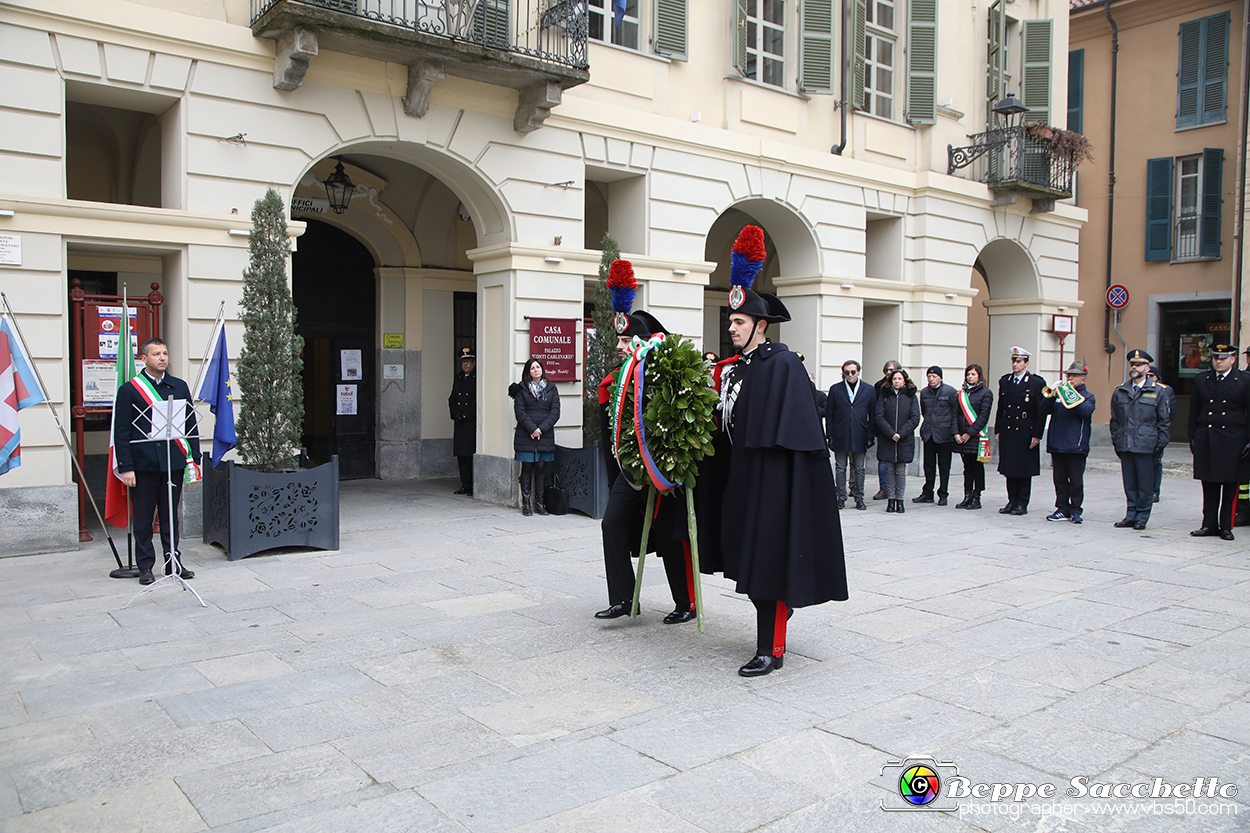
602, 19
1184, 202
1202, 72
997, 60
766, 41
880, 42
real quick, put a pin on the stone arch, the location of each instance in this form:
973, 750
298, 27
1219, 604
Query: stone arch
1014, 306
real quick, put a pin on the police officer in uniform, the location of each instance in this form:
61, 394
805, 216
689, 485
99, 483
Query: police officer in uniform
1018, 426
1141, 422
1219, 437
463, 405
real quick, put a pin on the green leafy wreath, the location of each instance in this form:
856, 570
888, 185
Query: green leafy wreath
677, 413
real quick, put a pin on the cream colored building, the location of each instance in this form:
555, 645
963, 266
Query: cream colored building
138, 133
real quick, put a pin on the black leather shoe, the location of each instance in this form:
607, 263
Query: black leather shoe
859, 504
678, 616
923, 498
889, 506
1227, 535
1155, 499
1205, 532
461, 491
842, 503
760, 666
1126, 523
146, 577
615, 611
1018, 510
185, 574
1006, 510
942, 501
1139, 525
899, 506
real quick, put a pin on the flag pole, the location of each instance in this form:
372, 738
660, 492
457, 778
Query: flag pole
130, 570
17, 328
199, 377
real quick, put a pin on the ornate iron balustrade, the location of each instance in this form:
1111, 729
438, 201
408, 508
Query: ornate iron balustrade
551, 31
1012, 159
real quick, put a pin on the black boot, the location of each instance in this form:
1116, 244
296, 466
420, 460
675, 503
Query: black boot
976, 501
963, 504
526, 478
900, 506
889, 506
540, 486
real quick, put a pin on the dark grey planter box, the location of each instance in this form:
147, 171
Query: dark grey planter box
247, 511
583, 473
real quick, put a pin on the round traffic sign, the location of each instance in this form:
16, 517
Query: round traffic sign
1117, 296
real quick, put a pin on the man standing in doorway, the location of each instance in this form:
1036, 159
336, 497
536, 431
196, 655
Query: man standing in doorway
1141, 422
152, 469
848, 430
463, 405
937, 404
1018, 426
1219, 437
882, 386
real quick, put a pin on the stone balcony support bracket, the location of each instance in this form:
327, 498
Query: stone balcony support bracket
294, 49
534, 105
422, 76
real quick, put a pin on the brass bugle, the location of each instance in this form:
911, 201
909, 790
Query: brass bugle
1049, 392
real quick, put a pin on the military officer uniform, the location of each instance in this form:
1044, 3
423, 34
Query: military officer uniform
1219, 437
1141, 422
463, 406
1018, 421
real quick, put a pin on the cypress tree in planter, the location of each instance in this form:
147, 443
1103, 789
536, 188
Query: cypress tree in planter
266, 503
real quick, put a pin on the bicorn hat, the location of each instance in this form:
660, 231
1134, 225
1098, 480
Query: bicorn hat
623, 287
745, 262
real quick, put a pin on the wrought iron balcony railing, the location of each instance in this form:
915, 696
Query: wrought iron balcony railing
538, 47
1012, 159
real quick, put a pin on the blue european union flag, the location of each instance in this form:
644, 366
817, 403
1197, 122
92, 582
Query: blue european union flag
618, 13
215, 390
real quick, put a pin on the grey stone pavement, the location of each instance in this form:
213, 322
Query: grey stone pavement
443, 672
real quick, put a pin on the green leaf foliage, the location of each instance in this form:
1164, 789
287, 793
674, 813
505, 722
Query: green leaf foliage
271, 364
677, 413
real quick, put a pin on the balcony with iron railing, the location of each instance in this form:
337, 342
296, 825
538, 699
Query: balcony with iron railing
1019, 160
537, 47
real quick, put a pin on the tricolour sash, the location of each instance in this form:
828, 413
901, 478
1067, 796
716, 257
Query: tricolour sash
970, 414
150, 395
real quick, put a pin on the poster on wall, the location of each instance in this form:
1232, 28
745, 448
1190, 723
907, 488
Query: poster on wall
554, 342
351, 365
99, 381
110, 323
1195, 353
346, 399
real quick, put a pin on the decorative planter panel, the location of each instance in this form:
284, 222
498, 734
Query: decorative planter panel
583, 473
247, 511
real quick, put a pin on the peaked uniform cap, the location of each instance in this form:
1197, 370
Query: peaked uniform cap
1140, 356
1222, 351
467, 353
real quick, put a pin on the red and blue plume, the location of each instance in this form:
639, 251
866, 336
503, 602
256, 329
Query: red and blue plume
622, 286
747, 258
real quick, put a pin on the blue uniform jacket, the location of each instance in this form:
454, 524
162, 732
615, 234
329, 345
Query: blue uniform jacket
1069, 427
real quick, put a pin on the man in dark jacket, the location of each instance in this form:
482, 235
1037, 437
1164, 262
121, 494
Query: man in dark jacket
848, 430
152, 470
1140, 426
1219, 436
1170, 396
937, 405
463, 406
1067, 441
1018, 428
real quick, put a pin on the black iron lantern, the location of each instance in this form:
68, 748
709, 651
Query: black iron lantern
1010, 107
339, 188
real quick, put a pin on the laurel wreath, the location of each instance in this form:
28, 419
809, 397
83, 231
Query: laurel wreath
677, 413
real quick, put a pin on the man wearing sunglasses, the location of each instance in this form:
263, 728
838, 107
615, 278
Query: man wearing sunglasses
848, 430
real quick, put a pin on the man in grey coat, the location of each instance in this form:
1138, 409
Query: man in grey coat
938, 402
1141, 423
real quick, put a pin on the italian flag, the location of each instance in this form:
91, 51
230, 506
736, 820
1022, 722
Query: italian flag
116, 501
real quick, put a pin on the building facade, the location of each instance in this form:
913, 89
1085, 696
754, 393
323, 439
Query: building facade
1168, 229
486, 167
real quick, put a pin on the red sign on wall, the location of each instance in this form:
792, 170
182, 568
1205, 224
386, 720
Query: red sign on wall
554, 342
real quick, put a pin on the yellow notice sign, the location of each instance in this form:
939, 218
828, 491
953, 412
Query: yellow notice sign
393, 340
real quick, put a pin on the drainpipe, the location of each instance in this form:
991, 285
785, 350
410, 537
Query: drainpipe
1235, 318
1115, 49
837, 149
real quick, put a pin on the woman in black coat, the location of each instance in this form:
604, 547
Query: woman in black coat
975, 397
897, 415
537, 405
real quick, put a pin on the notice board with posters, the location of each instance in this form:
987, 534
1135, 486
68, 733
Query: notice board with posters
554, 342
101, 330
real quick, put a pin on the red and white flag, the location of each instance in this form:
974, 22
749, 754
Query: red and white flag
116, 502
19, 388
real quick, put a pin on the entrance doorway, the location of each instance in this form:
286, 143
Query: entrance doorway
335, 293
1186, 333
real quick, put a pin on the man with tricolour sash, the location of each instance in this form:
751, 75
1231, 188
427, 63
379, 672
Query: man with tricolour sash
147, 467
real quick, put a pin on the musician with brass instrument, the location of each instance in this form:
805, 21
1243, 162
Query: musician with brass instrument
1070, 408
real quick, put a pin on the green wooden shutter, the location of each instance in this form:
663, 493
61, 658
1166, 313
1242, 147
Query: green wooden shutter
995, 72
1212, 202
671, 24
1076, 88
816, 46
490, 24
922, 61
1214, 69
1159, 208
1036, 74
1188, 72
859, 34
740, 36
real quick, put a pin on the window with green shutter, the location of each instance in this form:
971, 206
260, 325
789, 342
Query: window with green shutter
1159, 208
740, 36
1202, 71
1076, 88
671, 25
816, 46
859, 35
922, 61
1035, 69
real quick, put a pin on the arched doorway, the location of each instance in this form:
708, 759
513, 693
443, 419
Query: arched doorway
334, 288
1013, 310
